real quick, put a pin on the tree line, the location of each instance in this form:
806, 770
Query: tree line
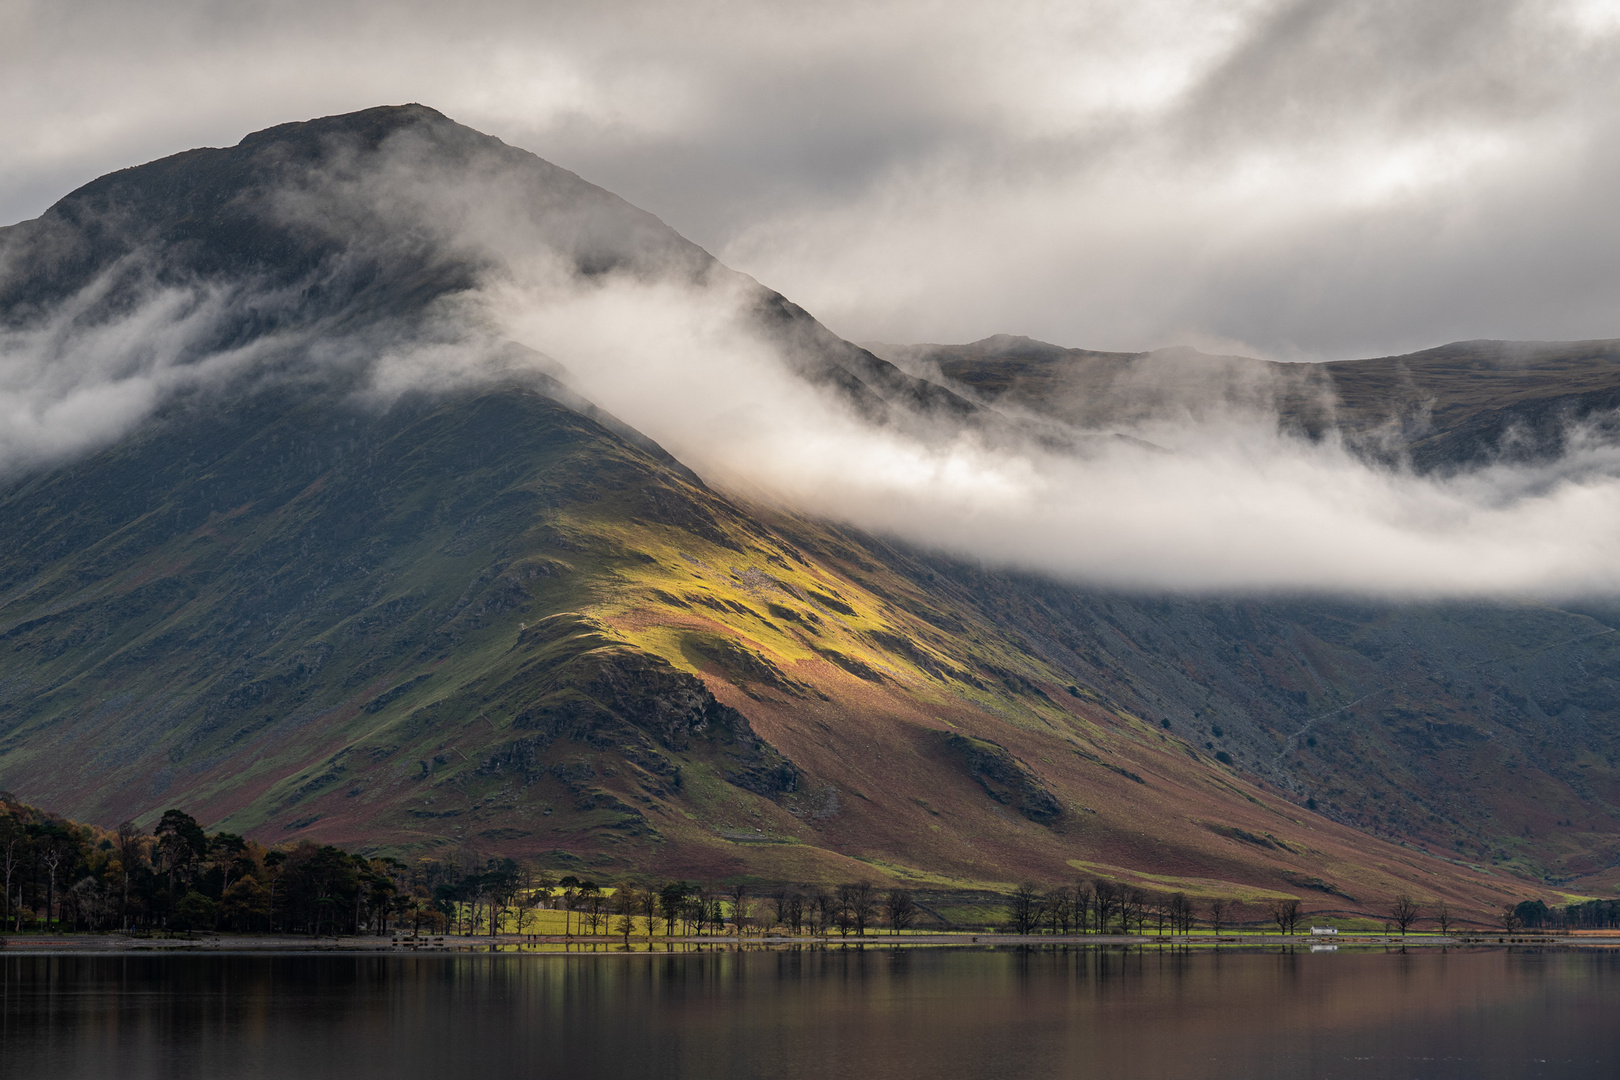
1582, 915
1103, 905
694, 908
56, 874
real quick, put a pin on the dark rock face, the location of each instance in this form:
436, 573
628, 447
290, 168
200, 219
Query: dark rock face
638, 704
1005, 779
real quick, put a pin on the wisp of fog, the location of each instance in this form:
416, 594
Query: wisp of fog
1220, 502
1198, 500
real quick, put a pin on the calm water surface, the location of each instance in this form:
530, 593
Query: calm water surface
871, 1014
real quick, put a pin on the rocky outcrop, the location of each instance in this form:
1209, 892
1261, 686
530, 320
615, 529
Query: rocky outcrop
1004, 778
616, 696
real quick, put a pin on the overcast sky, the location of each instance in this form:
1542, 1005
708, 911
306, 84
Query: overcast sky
1290, 179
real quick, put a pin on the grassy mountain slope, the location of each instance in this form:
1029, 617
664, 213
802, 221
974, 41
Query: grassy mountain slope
495, 623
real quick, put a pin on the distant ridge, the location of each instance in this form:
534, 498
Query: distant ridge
1445, 407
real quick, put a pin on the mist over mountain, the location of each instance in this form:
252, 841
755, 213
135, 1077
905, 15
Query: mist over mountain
395, 251
372, 480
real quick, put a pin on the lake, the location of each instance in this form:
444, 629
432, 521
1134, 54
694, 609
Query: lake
871, 1013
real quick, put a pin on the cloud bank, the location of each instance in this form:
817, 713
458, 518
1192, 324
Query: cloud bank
1215, 500
1305, 178
1224, 502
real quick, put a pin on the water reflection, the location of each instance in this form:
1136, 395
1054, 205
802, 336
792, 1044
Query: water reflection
808, 1013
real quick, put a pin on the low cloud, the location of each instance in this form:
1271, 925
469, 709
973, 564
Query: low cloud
1215, 498
77, 381
1220, 502
1314, 178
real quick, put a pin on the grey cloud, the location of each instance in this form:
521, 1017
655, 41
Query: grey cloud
1308, 178
1297, 179
1313, 66
1203, 493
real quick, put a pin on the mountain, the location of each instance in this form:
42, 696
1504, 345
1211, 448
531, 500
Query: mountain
488, 616
356, 228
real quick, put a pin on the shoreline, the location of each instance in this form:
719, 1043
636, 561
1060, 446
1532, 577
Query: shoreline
602, 945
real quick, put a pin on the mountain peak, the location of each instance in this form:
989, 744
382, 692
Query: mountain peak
374, 124
295, 212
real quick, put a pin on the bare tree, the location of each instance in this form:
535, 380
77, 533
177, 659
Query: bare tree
1181, 913
626, 903
1160, 907
1133, 906
1218, 908
1105, 902
1510, 919
1059, 904
52, 858
1442, 916
12, 840
1404, 912
777, 916
901, 909
859, 898
739, 907
595, 905
1082, 905
717, 914
818, 910
1024, 909
649, 910
766, 916
702, 904
792, 910
275, 863
842, 916
1286, 915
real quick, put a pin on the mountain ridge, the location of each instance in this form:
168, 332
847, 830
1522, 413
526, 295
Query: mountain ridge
491, 618
1442, 409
